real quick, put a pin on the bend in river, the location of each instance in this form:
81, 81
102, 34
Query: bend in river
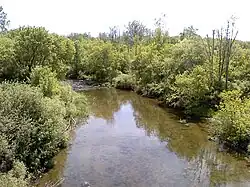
129, 141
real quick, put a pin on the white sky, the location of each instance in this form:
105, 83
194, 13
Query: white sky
94, 16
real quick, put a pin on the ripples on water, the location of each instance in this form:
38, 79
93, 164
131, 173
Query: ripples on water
128, 141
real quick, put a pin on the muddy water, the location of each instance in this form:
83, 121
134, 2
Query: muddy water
129, 141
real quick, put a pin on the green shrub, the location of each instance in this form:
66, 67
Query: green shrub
33, 126
124, 81
15, 177
190, 92
75, 103
46, 80
231, 122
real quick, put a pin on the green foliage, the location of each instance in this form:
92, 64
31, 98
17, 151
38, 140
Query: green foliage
75, 103
28, 47
6, 56
34, 124
190, 91
232, 120
100, 61
62, 55
32, 47
187, 54
124, 81
185, 71
189, 32
46, 80
79, 63
15, 177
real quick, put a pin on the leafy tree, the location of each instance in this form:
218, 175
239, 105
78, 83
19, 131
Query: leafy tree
189, 32
61, 55
7, 56
4, 22
135, 30
33, 47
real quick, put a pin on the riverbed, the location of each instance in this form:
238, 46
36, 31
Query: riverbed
129, 141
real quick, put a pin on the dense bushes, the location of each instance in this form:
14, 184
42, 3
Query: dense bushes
191, 91
232, 120
37, 113
33, 126
124, 81
34, 122
16, 177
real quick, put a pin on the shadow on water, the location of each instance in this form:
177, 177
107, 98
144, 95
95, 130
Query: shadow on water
131, 141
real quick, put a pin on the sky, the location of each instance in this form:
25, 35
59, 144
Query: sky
94, 16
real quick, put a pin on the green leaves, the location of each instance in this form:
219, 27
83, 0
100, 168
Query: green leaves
28, 47
124, 81
191, 90
232, 119
46, 80
7, 54
34, 122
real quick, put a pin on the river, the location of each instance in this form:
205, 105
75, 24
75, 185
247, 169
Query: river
129, 141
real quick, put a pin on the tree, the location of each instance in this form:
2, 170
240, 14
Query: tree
61, 54
35, 46
135, 30
7, 54
103, 36
79, 36
189, 32
4, 22
114, 33
32, 48
220, 48
160, 35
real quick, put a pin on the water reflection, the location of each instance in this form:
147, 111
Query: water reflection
130, 141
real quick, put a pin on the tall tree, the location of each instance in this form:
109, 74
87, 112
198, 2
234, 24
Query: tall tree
135, 30
223, 49
4, 22
160, 34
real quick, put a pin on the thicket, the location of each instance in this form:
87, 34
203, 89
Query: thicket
37, 109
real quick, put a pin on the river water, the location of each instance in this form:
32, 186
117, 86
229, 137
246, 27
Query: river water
129, 141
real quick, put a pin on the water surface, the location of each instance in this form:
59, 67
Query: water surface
129, 141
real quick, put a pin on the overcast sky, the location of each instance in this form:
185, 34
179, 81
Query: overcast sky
94, 16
